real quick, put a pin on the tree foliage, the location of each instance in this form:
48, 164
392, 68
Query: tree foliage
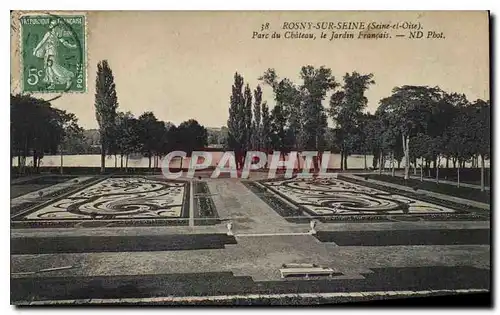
37, 128
346, 110
106, 104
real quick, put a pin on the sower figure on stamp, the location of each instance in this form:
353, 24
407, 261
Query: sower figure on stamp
47, 49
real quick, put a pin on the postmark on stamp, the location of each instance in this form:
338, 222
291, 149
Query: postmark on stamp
53, 53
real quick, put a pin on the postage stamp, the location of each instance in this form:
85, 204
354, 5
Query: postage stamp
53, 53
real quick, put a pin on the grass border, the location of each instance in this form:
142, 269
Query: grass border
468, 193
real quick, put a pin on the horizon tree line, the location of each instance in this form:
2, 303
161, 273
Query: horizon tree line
413, 123
122, 134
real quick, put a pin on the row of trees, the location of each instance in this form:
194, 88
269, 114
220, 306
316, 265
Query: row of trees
37, 128
296, 122
426, 123
414, 123
122, 134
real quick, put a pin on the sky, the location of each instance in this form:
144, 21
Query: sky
180, 65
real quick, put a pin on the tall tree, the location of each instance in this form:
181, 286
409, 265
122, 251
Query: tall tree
461, 139
131, 134
286, 112
366, 144
256, 125
237, 119
248, 118
192, 136
266, 128
481, 126
124, 135
316, 82
37, 128
419, 149
409, 110
151, 133
278, 124
106, 104
373, 129
346, 109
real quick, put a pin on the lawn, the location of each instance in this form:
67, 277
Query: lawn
448, 189
35, 184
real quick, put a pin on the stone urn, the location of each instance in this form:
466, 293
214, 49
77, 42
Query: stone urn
312, 224
229, 228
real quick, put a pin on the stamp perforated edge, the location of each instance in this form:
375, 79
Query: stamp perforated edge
17, 18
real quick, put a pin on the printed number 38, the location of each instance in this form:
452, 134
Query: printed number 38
34, 75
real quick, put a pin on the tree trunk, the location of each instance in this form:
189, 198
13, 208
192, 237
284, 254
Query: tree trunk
437, 170
298, 162
422, 171
458, 174
392, 164
23, 156
447, 162
34, 159
149, 161
380, 163
366, 166
406, 151
103, 158
126, 163
341, 160
415, 167
121, 161
61, 161
482, 172
116, 161
454, 163
320, 161
383, 163
345, 161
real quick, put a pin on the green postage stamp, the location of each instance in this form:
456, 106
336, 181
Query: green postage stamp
53, 53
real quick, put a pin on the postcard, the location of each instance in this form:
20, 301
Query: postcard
250, 157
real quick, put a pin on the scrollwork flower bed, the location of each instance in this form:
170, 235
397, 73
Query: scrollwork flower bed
462, 208
118, 201
39, 202
329, 199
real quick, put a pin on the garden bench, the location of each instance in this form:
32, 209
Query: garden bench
306, 272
